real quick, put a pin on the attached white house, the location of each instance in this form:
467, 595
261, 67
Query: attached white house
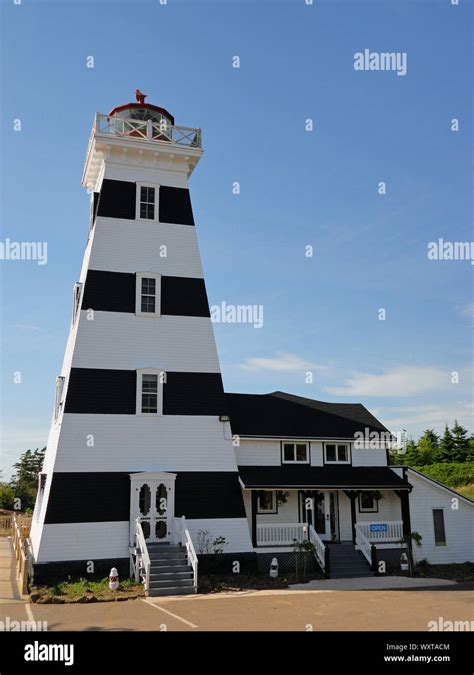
147, 457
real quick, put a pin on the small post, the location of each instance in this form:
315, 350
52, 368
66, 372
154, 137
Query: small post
149, 131
326, 562
373, 557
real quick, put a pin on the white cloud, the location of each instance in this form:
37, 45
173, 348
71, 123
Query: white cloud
415, 419
468, 311
290, 363
401, 381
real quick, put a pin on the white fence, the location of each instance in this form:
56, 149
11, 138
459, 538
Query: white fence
283, 534
380, 531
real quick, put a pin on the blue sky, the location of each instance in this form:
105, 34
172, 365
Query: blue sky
298, 188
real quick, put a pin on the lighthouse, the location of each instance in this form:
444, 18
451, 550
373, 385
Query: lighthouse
139, 434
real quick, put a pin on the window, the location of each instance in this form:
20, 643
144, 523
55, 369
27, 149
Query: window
266, 502
295, 452
149, 391
337, 453
146, 202
59, 396
41, 486
368, 503
148, 290
439, 529
76, 302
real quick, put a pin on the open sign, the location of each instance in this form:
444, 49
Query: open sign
378, 527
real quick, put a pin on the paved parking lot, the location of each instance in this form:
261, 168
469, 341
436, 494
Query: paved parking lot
259, 611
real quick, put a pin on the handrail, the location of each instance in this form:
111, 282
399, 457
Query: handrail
145, 562
147, 130
191, 553
363, 544
319, 547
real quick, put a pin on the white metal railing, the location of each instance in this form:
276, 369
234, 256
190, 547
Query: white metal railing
380, 531
143, 564
362, 544
180, 526
148, 130
319, 547
282, 534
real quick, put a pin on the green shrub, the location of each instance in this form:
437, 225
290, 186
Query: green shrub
451, 474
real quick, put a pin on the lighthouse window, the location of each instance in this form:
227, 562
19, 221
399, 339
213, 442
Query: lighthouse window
147, 202
149, 394
148, 291
148, 299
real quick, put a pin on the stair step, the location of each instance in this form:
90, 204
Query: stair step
170, 590
162, 562
176, 583
162, 569
166, 576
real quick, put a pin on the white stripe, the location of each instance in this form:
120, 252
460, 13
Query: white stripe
29, 612
175, 616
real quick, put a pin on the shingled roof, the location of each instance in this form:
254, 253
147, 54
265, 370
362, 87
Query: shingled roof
279, 414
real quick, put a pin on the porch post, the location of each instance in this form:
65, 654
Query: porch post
352, 494
404, 496
254, 518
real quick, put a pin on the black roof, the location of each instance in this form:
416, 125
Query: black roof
306, 476
285, 415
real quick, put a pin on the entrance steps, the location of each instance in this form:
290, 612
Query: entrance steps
170, 573
347, 563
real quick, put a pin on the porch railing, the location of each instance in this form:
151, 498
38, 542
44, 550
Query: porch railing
379, 532
21, 548
319, 547
281, 535
143, 563
182, 536
363, 544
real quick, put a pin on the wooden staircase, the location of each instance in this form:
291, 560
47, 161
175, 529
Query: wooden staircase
170, 573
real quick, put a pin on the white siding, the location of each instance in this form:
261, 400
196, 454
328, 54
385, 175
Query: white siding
134, 246
345, 522
138, 443
366, 457
459, 523
317, 453
79, 541
174, 343
389, 509
258, 453
235, 530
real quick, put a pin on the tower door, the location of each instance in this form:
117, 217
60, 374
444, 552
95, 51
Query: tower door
152, 500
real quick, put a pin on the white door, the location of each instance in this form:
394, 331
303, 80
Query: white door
321, 510
152, 500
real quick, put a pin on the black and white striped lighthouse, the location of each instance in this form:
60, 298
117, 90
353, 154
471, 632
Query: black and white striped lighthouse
136, 423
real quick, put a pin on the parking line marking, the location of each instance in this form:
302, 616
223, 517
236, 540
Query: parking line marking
29, 611
175, 616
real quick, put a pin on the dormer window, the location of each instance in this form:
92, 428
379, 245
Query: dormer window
337, 453
59, 396
295, 453
146, 201
76, 302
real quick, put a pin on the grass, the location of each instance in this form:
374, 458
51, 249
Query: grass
460, 572
466, 490
87, 588
220, 583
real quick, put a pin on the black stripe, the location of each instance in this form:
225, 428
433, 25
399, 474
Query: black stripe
117, 199
101, 391
109, 291
175, 206
184, 296
193, 394
113, 392
115, 292
105, 496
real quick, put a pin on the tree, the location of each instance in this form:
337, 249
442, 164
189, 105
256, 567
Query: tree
460, 443
7, 497
428, 447
411, 455
25, 480
446, 448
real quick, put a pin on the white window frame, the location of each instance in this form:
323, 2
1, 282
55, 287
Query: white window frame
138, 293
337, 461
161, 378
42, 478
76, 300
138, 202
294, 444
274, 508
364, 509
58, 401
